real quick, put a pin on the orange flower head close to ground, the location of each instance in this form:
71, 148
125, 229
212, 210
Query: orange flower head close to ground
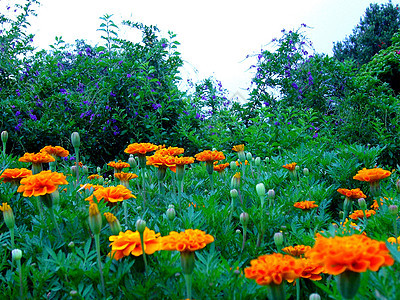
290, 166
274, 268
125, 176
208, 155
140, 148
126, 243
45, 182
37, 158
221, 167
311, 270
371, 175
170, 151
296, 251
305, 205
118, 165
353, 194
375, 205
55, 151
189, 240
111, 194
14, 175
238, 148
359, 214
356, 253
94, 176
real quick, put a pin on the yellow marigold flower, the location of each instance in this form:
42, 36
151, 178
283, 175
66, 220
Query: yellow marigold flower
5, 207
15, 175
111, 194
37, 158
94, 176
290, 166
356, 253
55, 151
110, 217
354, 193
305, 204
208, 155
189, 240
238, 148
45, 182
359, 214
371, 175
118, 165
126, 243
221, 167
140, 148
274, 268
170, 151
297, 250
125, 176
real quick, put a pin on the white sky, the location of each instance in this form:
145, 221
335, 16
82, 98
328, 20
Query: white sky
215, 36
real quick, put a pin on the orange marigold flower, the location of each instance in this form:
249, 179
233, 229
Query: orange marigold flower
126, 243
375, 205
221, 167
371, 175
140, 148
125, 176
89, 186
187, 241
238, 163
297, 250
305, 204
37, 158
311, 270
94, 176
45, 182
118, 165
356, 253
274, 268
290, 166
170, 151
55, 151
15, 175
163, 161
359, 214
111, 194
208, 155
354, 193
180, 161
238, 148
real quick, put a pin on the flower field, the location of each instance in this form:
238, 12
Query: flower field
115, 183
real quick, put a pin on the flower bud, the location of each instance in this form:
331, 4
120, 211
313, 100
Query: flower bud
238, 231
171, 206
73, 293
132, 161
75, 140
98, 169
16, 254
73, 171
244, 218
242, 156
233, 165
101, 180
235, 181
362, 203
95, 220
306, 172
278, 239
266, 159
85, 170
393, 209
234, 193
140, 225
347, 204
341, 214
249, 157
398, 185
8, 215
260, 188
171, 213
257, 161
112, 220
315, 296
4, 136
297, 168
71, 245
271, 194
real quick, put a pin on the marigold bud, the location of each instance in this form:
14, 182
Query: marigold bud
257, 161
233, 165
249, 157
234, 193
278, 239
235, 181
8, 215
16, 254
4, 136
171, 213
315, 296
171, 206
73, 293
85, 170
260, 188
132, 161
71, 245
140, 225
266, 159
75, 140
393, 209
73, 171
244, 218
95, 220
271, 194
242, 156
297, 168
362, 203
306, 172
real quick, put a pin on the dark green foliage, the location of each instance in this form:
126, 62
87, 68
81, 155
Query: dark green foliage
371, 35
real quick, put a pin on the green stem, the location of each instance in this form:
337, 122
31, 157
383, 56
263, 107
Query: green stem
244, 236
188, 284
39, 205
97, 241
298, 289
395, 230
125, 212
144, 252
144, 187
53, 219
77, 166
12, 238
21, 292
161, 188
211, 181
